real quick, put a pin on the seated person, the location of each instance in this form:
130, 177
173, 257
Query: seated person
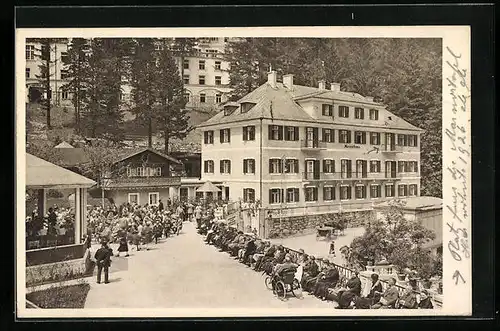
329, 279
408, 300
311, 271
374, 295
250, 249
390, 296
268, 256
282, 268
425, 300
353, 291
310, 284
260, 252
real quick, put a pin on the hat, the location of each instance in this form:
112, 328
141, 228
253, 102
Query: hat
301, 251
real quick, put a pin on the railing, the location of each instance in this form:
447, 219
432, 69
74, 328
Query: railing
312, 144
391, 148
311, 175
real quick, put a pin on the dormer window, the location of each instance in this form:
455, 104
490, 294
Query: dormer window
246, 106
374, 114
327, 110
229, 109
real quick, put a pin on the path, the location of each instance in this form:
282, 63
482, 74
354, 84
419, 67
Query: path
184, 272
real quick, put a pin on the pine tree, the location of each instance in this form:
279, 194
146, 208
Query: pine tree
77, 66
182, 48
172, 116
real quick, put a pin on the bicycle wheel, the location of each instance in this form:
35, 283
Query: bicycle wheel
296, 289
269, 283
280, 290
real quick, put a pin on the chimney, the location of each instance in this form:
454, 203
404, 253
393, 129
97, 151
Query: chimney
335, 87
322, 85
288, 81
271, 78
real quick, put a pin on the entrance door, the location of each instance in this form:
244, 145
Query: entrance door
309, 169
226, 192
183, 192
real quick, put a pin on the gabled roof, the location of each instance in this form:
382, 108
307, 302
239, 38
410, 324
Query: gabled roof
281, 103
43, 174
64, 145
129, 152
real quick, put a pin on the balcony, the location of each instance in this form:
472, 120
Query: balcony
312, 145
311, 175
391, 149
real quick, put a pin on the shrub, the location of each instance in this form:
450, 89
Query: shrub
72, 296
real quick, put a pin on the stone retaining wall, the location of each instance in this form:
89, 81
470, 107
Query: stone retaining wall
297, 225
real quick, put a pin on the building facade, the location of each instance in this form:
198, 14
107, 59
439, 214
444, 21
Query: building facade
57, 71
310, 150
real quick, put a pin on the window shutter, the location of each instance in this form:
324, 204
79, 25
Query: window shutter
205, 166
270, 196
205, 134
270, 166
282, 195
333, 166
229, 166
316, 168
349, 168
296, 133
364, 137
296, 194
348, 136
221, 135
245, 166
416, 166
221, 167
228, 135
296, 166
324, 166
270, 132
280, 132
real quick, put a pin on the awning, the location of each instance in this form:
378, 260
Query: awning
43, 174
208, 187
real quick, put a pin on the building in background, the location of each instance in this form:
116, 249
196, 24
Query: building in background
310, 150
35, 89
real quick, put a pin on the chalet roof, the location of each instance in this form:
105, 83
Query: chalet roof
141, 182
417, 203
127, 153
43, 174
281, 103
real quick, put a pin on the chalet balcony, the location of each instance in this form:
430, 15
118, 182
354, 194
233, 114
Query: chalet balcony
312, 145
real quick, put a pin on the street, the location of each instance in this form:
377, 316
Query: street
184, 272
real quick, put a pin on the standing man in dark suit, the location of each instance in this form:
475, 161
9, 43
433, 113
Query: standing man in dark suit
103, 261
160, 205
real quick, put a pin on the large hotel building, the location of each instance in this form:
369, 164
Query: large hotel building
310, 150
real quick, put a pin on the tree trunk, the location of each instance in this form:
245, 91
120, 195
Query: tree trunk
166, 137
47, 86
150, 132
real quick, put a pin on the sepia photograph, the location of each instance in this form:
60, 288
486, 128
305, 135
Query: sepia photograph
234, 172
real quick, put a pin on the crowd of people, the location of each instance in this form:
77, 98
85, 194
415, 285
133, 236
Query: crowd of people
54, 228
317, 276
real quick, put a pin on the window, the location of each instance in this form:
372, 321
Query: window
345, 192
64, 74
30, 52
131, 172
291, 166
248, 166
186, 97
225, 166
153, 198
201, 80
218, 98
390, 169
328, 166
345, 168
327, 110
375, 191
292, 195
360, 192
275, 166
361, 168
65, 95
328, 193
185, 64
389, 190
248, 195
359, 113
311, 194
217, 65
344, 136
401, 166
248, 133
374, 114
64, 57
201, 64
401, 139
208, 137
328, 135
359, 137
275, 195
375, 138
203, 98
412, 140
291, 133
133, 198
186, 79
375, 166
343, 111
412, 190
28, 71
141, 172
225, 136
218, 80
402, 190
208, 166
275, 132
